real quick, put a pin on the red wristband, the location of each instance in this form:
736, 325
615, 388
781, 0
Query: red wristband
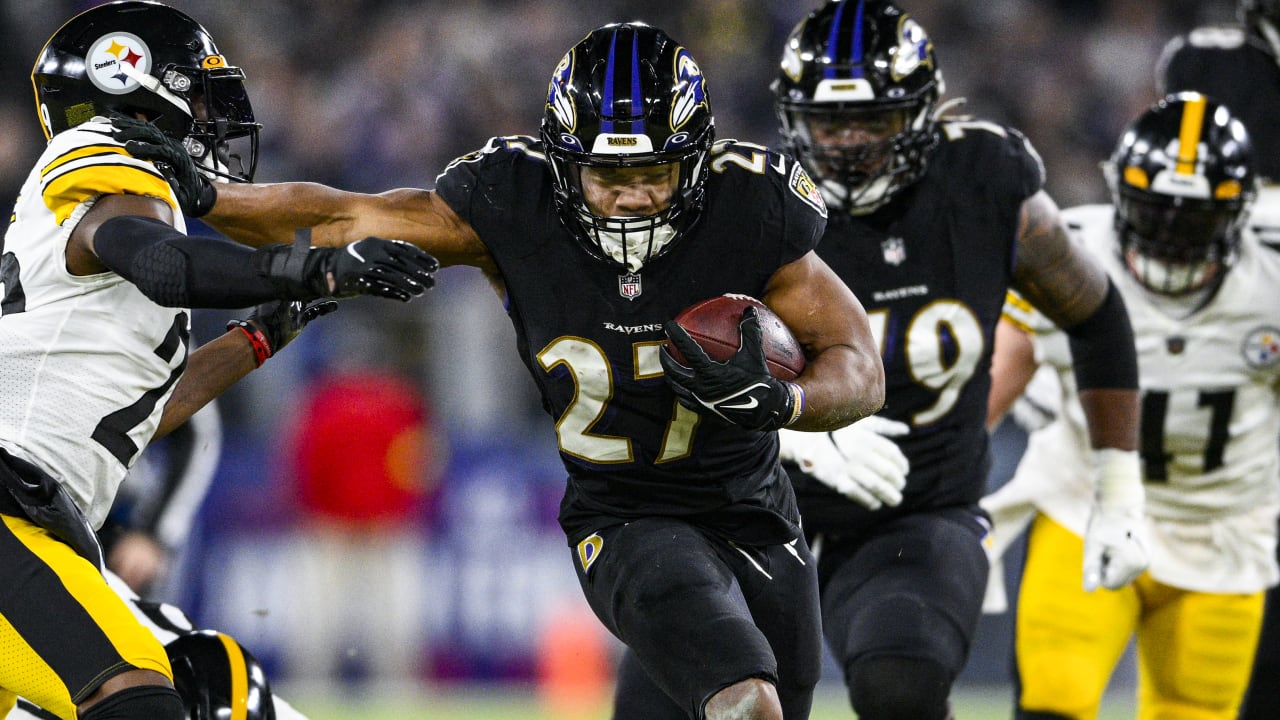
261, 347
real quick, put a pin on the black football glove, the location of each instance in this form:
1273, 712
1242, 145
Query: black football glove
275, 323
145, 141
372, 266
740, 390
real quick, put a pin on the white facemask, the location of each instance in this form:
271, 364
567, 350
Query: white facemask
638, 247
871, 197
1171, 278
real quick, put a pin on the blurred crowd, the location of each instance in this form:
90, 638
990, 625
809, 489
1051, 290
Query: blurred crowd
370, 95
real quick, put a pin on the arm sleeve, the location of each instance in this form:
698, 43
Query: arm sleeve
1102, 349
177, 270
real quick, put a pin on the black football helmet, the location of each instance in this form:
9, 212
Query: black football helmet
627, 95
855, 95
218, 679
136, 56
1182, 178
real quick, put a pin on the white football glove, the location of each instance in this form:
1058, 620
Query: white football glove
1115, 543
858, 461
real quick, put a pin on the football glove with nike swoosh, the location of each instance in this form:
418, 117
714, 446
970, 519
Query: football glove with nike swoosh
372, 266
740, 390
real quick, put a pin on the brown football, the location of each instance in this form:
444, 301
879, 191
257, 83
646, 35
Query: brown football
713, 323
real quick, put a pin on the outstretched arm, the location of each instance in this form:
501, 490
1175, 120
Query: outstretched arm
263, 214
259, 215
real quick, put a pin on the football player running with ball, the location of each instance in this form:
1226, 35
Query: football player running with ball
1200, 290
932, 219
97, 278
681, 522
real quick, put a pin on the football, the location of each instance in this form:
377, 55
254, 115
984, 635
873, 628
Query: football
713, 323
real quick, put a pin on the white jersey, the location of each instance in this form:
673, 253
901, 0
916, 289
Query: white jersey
86, 362
1210, 384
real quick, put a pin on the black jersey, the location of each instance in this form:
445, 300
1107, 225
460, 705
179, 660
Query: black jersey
590, 336
932, 268
1237, 68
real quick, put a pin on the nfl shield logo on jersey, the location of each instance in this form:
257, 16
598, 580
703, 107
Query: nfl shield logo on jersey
895, 250
629, 286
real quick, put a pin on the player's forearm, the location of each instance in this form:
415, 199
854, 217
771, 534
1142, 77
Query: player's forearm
211, 369
262, 214
1105, 363
1112, 416
269, 213
841, 385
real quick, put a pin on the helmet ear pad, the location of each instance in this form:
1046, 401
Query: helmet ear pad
211, 670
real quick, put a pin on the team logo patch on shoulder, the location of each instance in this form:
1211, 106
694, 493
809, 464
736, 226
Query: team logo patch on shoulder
1262, 347
806, 189
115, 61
588, 550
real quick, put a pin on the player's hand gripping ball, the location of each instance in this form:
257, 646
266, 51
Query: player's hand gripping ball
732, 355
713, 323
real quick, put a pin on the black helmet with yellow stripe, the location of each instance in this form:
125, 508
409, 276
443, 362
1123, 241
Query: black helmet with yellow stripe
1181, 178
219, 679
137, 57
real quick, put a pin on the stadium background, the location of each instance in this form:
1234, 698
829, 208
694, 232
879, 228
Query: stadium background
471, 573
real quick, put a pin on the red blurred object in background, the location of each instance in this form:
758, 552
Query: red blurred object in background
364, 449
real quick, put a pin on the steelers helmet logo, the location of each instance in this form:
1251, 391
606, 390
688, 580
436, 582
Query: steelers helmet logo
115, 61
